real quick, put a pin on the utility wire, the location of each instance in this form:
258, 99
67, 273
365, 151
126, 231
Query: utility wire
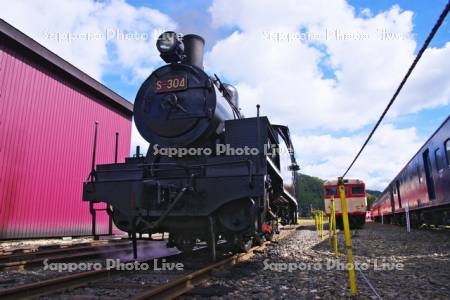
402, 83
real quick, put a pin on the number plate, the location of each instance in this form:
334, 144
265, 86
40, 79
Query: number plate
170, 84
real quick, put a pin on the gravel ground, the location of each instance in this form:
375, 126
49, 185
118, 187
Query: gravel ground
125, 285
397, 264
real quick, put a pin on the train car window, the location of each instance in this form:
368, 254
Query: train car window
419, 174
331, 191
438, 158
447, 150
357, 190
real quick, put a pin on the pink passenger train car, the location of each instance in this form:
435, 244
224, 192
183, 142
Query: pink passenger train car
422, 187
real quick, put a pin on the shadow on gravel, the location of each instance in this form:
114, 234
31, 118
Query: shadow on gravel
398, 264
301, 267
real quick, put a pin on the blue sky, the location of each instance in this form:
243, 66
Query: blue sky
332, 90
425, 15
195, 16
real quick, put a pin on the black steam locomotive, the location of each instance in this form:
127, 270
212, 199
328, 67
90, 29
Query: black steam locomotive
209, 173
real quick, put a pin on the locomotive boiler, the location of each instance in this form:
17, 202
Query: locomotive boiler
210, 173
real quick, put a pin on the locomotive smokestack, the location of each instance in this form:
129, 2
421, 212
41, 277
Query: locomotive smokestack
193, 49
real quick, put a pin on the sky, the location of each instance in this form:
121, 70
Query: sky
325, 68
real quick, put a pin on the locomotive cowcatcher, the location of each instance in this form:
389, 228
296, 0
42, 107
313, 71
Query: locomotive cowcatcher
235, 179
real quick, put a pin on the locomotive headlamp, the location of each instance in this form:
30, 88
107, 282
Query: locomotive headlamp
170, 47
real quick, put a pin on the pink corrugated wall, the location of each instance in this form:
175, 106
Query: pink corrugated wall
46, 136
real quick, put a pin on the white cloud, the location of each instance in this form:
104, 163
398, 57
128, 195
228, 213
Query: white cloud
339, 78
286, 77
328, 157
108, 49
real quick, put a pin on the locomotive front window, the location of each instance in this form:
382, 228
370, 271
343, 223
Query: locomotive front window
331, 191
358, 190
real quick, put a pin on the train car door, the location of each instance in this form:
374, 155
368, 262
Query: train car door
446, 179
397, 186
428, 175
439, 181
391, 195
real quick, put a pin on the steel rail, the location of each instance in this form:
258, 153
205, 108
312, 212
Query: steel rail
53, 247
95, 251
54, 285
188, 282
51, 251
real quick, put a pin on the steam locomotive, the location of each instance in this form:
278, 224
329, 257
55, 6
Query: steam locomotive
210, 173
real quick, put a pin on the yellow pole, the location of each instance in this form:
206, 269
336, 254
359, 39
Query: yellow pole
348, 238
333, 215
318, 218
330, 229
316, 221
320, 224
322, 235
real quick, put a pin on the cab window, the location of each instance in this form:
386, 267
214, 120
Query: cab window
331, 191
357, 190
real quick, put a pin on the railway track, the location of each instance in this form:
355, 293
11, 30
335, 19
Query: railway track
32, 259
181, 285
20, 259
65, 282
52, 247
172, 284
28, 259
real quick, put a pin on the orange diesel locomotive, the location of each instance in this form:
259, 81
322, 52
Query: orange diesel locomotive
355, 191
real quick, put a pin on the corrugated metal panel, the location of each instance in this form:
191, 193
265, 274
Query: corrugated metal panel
46, 134
23, 43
